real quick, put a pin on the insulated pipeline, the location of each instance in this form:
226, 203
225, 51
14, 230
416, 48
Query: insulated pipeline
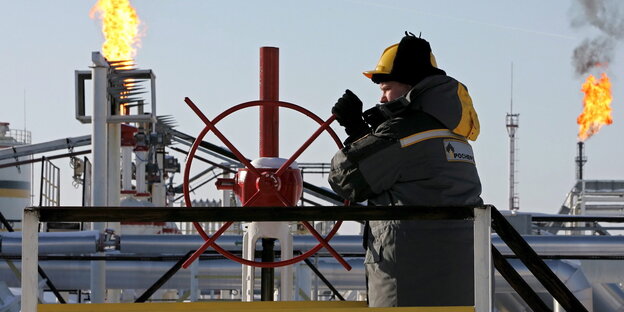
68, 243
85, 242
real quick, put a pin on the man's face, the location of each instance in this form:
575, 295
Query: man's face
391, 90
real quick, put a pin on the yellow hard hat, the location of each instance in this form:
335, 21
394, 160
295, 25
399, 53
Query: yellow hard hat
405, 62
384, 66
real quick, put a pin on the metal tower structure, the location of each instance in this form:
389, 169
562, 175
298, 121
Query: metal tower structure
512, 126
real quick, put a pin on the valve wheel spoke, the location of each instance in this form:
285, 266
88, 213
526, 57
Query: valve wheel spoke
282, 198
210, 240
206, 244
221, 137
325, 244
252, 199
305, 145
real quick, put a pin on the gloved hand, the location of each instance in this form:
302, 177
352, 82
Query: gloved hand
348, 111
374, 116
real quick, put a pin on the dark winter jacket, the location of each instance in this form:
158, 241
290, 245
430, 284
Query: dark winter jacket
420, 157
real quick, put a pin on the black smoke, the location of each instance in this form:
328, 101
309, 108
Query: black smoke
606, 16
593, 53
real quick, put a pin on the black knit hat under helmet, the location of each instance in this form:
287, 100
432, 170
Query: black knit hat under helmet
407, 62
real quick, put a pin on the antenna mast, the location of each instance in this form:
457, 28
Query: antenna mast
512, 127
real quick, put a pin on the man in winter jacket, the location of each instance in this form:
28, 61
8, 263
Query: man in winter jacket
412, 149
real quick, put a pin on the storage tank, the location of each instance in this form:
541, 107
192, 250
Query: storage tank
15, 181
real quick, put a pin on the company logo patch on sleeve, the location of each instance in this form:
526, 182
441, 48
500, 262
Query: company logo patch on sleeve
458, 151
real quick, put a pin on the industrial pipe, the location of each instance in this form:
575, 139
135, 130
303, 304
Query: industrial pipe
85, 242
99, 147
570, 274
269, 92
213, 274
64, 243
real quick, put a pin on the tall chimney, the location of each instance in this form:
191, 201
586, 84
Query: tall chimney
580, 161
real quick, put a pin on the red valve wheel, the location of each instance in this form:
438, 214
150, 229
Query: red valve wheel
209, 241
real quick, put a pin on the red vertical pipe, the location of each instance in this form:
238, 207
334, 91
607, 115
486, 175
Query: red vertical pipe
269, 91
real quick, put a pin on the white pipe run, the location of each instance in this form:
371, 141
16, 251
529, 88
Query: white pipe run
159, 190
608, 297
114, 166
99, 138
126, 168
569, 272
212, 274
141, 161
99, 146
58, 243
598, 271
225, 274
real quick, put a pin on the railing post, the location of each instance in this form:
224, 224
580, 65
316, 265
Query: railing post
194, 297
30, 257
483, 258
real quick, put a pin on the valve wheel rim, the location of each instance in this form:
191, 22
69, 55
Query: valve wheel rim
210, 240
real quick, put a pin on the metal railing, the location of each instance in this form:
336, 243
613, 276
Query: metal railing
21, 136
485, 218
50, 188
480, 215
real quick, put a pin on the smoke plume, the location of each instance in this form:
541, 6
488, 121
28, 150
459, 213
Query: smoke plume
592, 53
607, 17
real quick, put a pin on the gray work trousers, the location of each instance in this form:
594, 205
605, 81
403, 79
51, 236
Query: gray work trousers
420, 263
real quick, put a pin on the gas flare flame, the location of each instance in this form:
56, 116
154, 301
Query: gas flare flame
120, 26
596, 106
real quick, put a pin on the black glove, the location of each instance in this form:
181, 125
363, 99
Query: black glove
348, 111
374, 117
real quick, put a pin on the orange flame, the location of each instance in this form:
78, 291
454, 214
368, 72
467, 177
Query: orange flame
596, 106
120, 26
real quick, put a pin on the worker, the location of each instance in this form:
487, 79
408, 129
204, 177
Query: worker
412, 149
